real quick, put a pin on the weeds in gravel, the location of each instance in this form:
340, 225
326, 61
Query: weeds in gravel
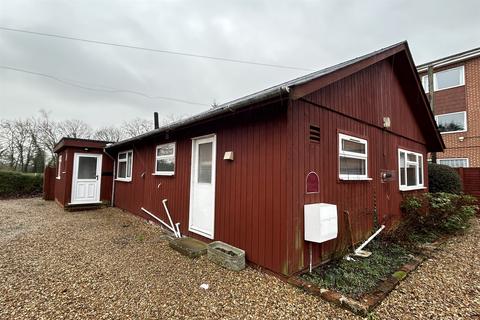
360, 276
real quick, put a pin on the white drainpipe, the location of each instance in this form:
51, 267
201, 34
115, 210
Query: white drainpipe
369, 239
176, 231
161, 221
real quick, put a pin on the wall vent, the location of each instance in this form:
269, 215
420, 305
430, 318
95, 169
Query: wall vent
314, 133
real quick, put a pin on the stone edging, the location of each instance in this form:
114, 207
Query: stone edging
368, 301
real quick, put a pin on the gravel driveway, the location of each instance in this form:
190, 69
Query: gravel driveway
108, 264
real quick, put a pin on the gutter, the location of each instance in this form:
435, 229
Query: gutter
449, 60
230, 107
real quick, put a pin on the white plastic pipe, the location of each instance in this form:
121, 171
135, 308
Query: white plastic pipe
160, 220
170, 218
370, 239
177, 225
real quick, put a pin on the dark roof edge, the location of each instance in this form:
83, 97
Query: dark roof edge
272, 92
457, 57
425, 100
59, 145
235, 105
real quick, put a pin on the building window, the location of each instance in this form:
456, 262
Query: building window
446, 79
59, 167
353, 154
165, 159
410, 170
425, 83
125, 164
454, 162
452, 122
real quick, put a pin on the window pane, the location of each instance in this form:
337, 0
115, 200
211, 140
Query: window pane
448, 78
352, 166
412, 175
122, 156
420, 170
425, 83
412, 157
122, 169
129, 165
205, 162
166, 165
87, 168
451, 122
166, 150
402, 168
456, 163
353, 146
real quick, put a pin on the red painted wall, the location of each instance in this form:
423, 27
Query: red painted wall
250, 191
368, 96
260, 195
63, 186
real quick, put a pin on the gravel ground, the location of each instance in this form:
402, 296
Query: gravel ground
108, 264
447, 286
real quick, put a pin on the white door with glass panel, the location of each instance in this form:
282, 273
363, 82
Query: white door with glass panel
87, 169
202, 186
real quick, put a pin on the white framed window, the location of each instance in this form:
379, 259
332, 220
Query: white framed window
454, 162
410, 170
125, 165
165, 159
425, 83
352, 158
446, 79
452, 122
59, 167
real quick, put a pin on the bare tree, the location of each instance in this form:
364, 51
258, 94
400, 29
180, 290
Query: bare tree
171, 118
20, 148
136, 127
74, 129
49, 134
112, 134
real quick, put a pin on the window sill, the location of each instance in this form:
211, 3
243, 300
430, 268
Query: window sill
58, 178
355, 179
124, 180
447, 132
163, 174
412, 189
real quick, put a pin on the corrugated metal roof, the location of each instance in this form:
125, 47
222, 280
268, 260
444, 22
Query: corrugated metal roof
263, 95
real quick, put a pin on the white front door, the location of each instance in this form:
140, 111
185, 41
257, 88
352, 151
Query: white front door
87, 174
202, 186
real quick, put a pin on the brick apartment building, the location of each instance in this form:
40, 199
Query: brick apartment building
456, 105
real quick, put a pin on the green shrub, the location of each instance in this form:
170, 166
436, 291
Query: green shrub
443, 178
14, 184
429, 215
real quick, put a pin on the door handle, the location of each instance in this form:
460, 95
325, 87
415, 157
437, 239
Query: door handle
96, 177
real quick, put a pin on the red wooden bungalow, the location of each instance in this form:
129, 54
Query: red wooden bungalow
83, 175
275, 172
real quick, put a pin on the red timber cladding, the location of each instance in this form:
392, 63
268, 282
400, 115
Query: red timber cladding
366, 97
49, 175
63, 186
250, 202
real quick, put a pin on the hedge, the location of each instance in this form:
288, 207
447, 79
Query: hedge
443, 178
15, 184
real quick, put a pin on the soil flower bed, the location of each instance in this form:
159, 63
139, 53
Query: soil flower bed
357, 276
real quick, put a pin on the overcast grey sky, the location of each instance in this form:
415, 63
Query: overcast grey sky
310, 34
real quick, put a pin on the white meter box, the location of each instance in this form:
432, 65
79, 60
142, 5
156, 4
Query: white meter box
320, 220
